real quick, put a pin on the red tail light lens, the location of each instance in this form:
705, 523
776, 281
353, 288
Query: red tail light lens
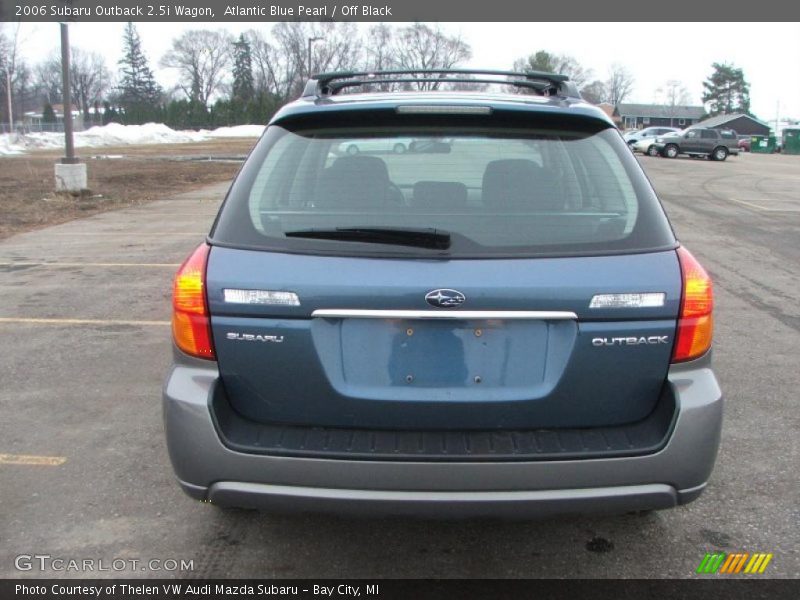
695, 322
191, 325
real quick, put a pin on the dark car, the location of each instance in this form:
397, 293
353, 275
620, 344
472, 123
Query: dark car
504, 323
716, 144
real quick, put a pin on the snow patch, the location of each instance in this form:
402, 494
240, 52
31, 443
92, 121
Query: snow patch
115, 134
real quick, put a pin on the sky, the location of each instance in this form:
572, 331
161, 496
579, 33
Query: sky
769, 53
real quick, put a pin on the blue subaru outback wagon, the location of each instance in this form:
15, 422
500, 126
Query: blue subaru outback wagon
442, 301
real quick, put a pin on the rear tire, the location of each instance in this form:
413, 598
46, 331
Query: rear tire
352, 150
670, 151
399, 148
720, 153
652, 151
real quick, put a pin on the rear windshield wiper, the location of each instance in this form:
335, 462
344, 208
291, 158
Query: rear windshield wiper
400, 236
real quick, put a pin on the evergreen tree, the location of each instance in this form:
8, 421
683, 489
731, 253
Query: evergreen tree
48, 114
110, 114
137, 83
242, 71
726, 91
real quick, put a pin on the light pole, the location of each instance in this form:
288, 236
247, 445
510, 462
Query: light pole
69, 146
8, 97
11, 61
70, 172
311, 40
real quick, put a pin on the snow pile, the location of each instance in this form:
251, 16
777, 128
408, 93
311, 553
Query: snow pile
9, 145
115, 134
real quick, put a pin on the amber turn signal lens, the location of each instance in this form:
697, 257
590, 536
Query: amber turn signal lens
191, 325
695, 322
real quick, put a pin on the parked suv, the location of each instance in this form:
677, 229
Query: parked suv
502, 324
716, 144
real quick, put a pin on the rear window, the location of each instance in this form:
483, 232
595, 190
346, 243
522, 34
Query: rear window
506, 192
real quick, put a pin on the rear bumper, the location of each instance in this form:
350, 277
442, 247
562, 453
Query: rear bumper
676, 474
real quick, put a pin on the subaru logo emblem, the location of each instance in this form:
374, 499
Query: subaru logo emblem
444, 298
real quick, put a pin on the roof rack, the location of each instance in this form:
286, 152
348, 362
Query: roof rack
546, 84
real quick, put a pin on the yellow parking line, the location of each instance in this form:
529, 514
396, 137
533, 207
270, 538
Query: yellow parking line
764, 208
57, 265
28, 459
36, 321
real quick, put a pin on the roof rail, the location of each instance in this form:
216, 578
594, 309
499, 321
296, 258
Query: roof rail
547, 84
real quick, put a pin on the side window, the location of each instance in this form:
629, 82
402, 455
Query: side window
709, 134
692, 134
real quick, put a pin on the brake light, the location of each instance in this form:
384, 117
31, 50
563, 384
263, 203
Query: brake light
191, 325
695, 322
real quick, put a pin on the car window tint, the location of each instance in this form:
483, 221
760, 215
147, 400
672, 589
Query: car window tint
516, 191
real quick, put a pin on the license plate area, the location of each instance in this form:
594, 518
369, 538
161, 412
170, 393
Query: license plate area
443, 354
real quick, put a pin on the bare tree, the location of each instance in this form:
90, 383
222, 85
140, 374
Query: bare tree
47, 80
594, 92
555, 63
337, 48
90, 78
619, 84
273, 72
281, 59
378, 52
673, 93
13, 72
202, 58
422, 47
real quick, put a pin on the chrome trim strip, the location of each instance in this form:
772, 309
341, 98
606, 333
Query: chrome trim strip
357, 313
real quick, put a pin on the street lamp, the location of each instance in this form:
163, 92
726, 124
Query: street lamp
311, 40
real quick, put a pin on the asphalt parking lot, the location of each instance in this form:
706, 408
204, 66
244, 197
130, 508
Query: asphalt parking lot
84, 473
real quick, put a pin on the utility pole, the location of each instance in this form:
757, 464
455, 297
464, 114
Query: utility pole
69, 145
8, 97
70, 173
11, 59
311, 40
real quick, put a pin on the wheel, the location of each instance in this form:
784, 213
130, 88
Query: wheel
671, 151
719, 153
399, 148
652, 151
352, 149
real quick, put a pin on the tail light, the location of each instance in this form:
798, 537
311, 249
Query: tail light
191, 325
695, 322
